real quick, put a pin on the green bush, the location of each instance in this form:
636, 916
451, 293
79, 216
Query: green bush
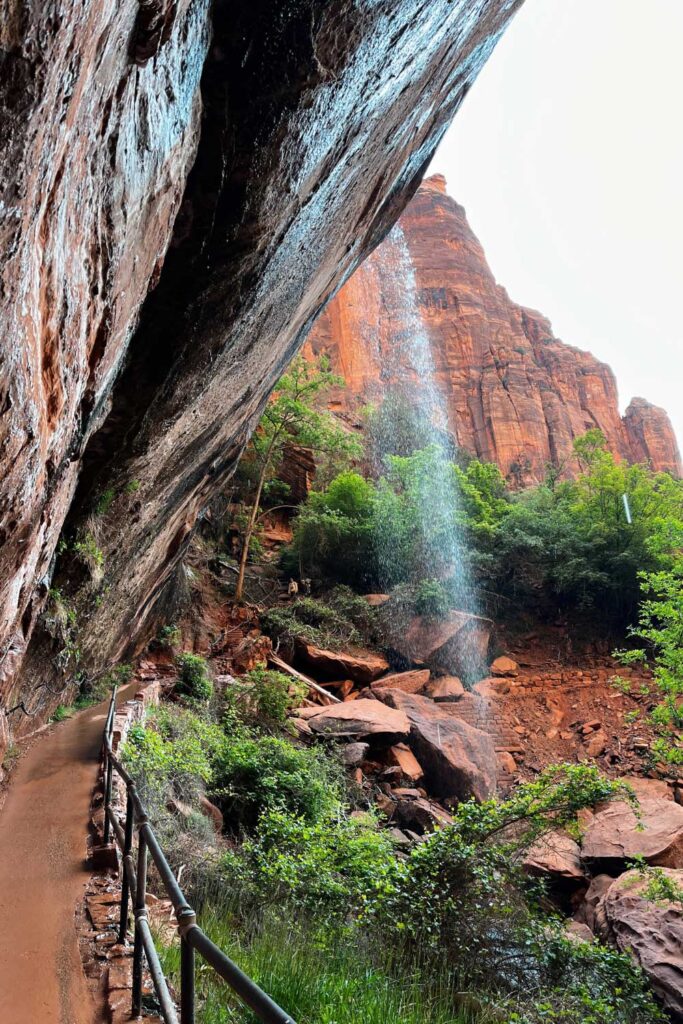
265, 700
432, 599
330, 868
193, 678
314, 621
255, 774
169, 636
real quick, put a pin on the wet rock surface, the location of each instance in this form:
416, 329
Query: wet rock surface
315, 116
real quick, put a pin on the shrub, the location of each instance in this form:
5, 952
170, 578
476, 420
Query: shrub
169, 636
193, 678
255, 774
311, 620
432, 599
266, 699
329, 868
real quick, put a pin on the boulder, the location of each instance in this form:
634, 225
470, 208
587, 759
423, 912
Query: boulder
504, 667
614, 834
376, 600
455, 645
596, 743
652, 932
491, 687
591, 911
353, 754
420, 815
458, 760
361, 718
557, 856
361, 666
446, 690
578, 932
405, 759
648, 788
409, 682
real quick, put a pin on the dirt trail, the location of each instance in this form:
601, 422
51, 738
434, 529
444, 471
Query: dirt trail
43, 834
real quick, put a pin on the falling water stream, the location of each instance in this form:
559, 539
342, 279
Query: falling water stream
411, 384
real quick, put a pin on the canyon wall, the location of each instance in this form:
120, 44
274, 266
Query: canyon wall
183, 188
514, 394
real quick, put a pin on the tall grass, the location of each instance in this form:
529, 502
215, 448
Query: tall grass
318, 979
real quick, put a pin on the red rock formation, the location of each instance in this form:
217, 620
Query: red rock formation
515, 394
307, 127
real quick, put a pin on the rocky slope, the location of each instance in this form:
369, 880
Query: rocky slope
515, 394
307, 127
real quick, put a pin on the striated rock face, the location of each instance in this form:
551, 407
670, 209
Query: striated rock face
515, 394
307, 127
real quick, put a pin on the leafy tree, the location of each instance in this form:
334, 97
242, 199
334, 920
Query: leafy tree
293, 416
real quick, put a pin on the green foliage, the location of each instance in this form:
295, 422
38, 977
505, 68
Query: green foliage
265, 699
660, 628
432, 599
254, 774
169, 636
88, 552
329, 868
132, 487
315, 621
193, 682
104, 501
176, 751
61, 713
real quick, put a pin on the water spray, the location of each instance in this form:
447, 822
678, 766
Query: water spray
627, 509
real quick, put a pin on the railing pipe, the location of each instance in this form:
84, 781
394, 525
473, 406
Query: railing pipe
192, 938
140, 915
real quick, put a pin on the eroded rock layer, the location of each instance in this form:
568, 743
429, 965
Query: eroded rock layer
514, 393
307, 126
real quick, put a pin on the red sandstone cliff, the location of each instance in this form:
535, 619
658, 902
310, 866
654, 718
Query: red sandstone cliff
514, 393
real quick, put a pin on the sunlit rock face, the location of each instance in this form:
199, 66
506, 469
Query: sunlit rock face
514, 393
307, 125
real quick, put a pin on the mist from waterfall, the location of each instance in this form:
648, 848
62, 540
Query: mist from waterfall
415, 405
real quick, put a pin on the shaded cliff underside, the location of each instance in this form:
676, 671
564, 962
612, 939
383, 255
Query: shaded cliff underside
515, 394
239, 160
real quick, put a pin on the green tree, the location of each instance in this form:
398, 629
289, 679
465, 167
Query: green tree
293, 416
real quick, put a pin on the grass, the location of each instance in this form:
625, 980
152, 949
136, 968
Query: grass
61, 713
318, 980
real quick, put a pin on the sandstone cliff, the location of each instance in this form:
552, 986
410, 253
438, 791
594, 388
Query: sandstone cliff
147, 311
514, 393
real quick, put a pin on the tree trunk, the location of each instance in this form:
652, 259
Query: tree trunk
248, 534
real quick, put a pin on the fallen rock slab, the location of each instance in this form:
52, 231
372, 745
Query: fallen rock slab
420, 815
651, 931
405, 759
556, 856
456, 645
410, 682
361, 718
591, 912
459, 761
446, 690
361, 666
615, 834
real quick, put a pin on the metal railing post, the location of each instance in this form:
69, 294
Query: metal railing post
186, 920
140, 912
128, 843
107, 797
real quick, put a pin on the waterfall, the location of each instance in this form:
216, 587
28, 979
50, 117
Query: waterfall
416, 406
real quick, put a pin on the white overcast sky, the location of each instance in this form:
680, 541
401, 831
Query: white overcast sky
568, 157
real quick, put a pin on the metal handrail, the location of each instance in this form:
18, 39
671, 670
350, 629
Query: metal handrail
192, 938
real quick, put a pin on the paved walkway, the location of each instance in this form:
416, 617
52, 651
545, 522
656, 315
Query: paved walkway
43, 833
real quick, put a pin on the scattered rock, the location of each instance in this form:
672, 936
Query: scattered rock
506, 762
652, 932
405, 759
302, 727
614, 834
421, 815
361, 718
446, 690
596, 743
556, 855
458, 760
361, 666
504, 667
409, 682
